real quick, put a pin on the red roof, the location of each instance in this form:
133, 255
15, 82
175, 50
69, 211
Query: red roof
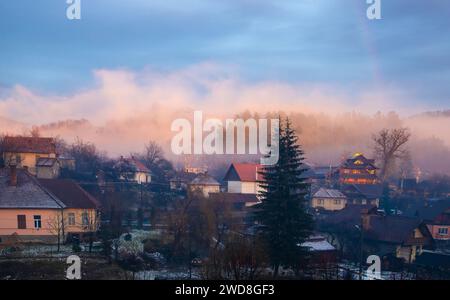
245, 172
20, 144
70, 193
140, 167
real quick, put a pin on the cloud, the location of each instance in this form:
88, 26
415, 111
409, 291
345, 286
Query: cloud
121, 94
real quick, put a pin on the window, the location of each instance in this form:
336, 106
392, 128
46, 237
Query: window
21, 222
337, 201
71, 219
37, 222
319, 201
443, 231
85, 219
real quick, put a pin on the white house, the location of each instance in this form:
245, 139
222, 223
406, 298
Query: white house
243, 178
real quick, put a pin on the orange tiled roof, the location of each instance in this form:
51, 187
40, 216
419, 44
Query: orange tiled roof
29, 144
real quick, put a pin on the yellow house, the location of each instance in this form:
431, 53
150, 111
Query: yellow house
25, 151
44, 210
81, 214
329, 199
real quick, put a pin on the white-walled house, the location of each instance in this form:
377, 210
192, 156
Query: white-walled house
132, 169
243, 178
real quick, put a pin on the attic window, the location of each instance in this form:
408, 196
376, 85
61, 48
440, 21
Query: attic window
358, 162
443, 231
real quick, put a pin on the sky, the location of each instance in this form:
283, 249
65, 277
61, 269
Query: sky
295, 51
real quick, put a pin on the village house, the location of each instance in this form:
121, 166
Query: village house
205, 184
436, 216
243, 178
358, 170
322, 253
403, 237
43, 210
180, 181
25, 151
362, 194
328, 199
132, 169
387, 236
47, 167
81, 211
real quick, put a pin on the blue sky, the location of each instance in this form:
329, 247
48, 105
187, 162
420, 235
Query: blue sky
324, 42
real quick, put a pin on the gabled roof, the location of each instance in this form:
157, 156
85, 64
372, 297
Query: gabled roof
243, 172
349, 216
183, 177
433, 210
318, 244
46, 162
368, 191
140, 167
329, 193
135, 163
21, 144
70, 193
204, 179
28, 193
359, 157
393, 229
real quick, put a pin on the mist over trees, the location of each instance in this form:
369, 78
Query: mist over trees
326, 138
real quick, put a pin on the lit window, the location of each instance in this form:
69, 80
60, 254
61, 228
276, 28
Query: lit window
71, 219
337, 201
37, 222
443, 231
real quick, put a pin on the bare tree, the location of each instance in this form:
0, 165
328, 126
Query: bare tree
56, 228
390, 145
35, 132
152, 153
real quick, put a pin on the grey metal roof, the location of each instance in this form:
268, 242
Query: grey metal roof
46, 161
28, 193
329, 193
204, 179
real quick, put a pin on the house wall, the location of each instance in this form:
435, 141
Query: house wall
243, 187
329, 203
234, 187
27, 159
408, 253
434, 229
49, 222
9, 223
93, 223
205, 189
48, 172
142, 177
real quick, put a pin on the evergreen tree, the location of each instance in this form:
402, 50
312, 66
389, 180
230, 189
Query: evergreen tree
285, 223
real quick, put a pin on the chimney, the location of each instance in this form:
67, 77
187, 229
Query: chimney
13, 179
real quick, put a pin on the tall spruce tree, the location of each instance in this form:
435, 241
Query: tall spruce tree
285, 223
